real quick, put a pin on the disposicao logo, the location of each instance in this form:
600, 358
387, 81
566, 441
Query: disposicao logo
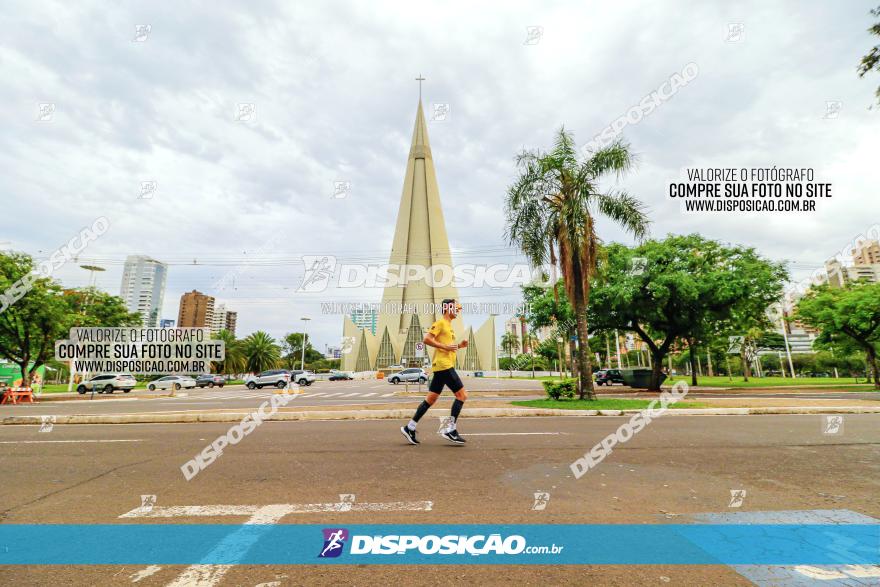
334, 541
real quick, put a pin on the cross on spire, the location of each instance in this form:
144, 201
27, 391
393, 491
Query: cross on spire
420, 79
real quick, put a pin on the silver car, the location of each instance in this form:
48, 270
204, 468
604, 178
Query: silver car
279, 378
408, 376
108, 383
174, 382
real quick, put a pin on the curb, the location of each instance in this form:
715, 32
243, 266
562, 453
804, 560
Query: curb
401, 414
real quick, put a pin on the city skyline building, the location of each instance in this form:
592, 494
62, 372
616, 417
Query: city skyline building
223, 319
143, 287
196, 310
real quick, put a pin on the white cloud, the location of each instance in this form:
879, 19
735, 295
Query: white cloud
335, 98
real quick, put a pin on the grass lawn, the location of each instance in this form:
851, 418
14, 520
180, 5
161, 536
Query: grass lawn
599, 404
737, 381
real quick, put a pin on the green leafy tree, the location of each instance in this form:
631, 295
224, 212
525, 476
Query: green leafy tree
30, 325
260, 352
551, 208
549, 308
871, 60
291, 349
852, 312
234, 360
687, 287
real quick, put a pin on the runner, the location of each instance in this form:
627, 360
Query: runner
442, 338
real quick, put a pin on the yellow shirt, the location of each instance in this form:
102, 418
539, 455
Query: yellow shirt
442, 331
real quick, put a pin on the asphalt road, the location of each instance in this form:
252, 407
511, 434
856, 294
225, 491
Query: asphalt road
352, 394
677, 467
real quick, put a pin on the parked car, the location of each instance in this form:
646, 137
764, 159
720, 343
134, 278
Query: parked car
608, 377
174, 382
210, 380
277, 377
340, 376
303, 377
108, 383
409, 376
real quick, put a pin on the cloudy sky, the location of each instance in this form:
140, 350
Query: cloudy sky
239, 202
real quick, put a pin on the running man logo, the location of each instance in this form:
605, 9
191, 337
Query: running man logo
147, 503
334, 541
542, 498
319, 270
47, 423
832, 425
734, 344
737, 497
638, 265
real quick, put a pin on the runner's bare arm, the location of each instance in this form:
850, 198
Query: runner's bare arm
431, 341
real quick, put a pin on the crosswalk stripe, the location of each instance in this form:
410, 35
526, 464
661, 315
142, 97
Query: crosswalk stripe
332, 394
387, 394
352, 394
368, 394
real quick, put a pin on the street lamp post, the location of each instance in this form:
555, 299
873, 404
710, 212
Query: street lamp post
302, 364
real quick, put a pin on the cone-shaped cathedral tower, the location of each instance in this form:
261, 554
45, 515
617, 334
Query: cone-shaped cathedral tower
408, 311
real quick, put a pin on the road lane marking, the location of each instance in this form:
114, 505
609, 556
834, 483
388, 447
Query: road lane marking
332, 394
352, 394
387, 394
67, 441
144, 573
240, 541
368, 394
515, 433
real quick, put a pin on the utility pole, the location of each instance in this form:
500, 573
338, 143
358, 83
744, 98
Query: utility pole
785, 338
302, 364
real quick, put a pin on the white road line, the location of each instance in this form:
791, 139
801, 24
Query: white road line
66, 441
352, 394
332, 394
240, 541
144, 573
387, 394
314, 394
368, 394
514, 433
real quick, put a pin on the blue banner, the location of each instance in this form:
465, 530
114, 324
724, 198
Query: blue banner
617, 544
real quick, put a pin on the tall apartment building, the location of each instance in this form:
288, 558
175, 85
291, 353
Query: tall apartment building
143, 287
840, 275
196, 310
867, 254
224, 319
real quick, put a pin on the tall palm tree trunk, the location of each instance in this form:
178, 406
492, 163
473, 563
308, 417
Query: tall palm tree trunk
585, 371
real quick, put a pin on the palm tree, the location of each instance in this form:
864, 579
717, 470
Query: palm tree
550, 215
234, 359
509, 344
260, 352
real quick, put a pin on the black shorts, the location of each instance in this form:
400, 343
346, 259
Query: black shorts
447, 377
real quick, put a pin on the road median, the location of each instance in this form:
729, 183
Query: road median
404, 413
